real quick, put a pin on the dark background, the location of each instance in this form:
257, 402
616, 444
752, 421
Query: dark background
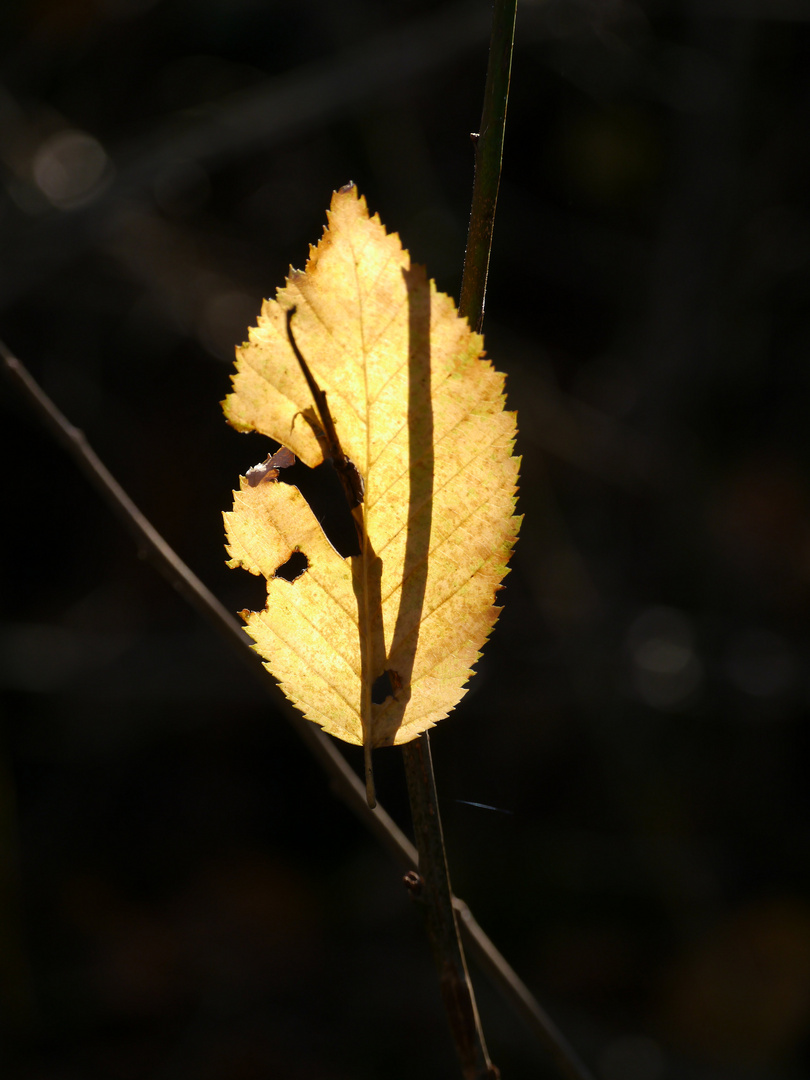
180, 895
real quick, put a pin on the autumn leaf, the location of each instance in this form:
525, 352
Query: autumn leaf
419, 412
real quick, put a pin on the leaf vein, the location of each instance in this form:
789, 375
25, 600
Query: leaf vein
314, 627
327, 682
413, 511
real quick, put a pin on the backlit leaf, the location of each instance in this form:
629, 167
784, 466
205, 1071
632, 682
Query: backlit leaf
420, 413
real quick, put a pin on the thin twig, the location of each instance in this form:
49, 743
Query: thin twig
488, 156
520, 998
350, 479
354, 490
343, 781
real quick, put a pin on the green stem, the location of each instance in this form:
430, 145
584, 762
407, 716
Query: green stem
435, 888
488, 157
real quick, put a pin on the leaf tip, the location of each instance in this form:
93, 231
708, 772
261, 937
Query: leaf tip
346, 196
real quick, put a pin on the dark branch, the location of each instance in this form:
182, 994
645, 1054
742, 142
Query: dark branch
343, 782
348, 474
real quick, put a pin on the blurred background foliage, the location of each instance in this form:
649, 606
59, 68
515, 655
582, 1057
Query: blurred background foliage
180, 895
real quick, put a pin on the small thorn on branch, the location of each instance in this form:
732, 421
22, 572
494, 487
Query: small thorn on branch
414, 883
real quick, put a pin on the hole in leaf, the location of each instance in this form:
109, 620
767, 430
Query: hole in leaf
294, 567
322, 490
385, 687
249, 594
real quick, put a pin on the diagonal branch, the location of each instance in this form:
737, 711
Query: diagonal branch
350, 479
343, 781
354, 490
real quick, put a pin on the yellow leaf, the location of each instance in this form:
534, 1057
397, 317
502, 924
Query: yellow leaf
420, 413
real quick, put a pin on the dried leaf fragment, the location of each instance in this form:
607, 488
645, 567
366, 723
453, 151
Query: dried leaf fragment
420, 412
271, 466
